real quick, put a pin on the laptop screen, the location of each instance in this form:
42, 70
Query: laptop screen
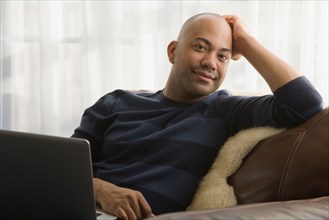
45, 177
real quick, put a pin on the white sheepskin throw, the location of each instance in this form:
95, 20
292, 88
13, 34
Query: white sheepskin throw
214, 191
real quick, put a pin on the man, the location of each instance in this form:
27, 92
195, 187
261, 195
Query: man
150, 150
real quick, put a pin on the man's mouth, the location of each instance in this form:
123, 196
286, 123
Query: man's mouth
204, 74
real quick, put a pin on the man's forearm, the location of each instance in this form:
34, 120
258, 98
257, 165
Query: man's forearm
275, 71
98, 185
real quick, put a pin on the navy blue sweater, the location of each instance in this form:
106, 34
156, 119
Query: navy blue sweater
163, 148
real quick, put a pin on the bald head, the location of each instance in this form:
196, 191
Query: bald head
197, 21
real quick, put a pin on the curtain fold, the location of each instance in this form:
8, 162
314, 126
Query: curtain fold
59, 57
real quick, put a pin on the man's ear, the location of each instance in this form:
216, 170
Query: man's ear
171, 51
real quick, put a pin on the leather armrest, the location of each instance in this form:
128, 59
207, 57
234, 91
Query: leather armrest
291, 165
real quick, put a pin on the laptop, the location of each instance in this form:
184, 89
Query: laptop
46, 177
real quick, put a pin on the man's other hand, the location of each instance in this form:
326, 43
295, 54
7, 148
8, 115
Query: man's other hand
122, 202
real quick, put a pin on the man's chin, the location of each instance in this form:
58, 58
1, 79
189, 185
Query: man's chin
203, 92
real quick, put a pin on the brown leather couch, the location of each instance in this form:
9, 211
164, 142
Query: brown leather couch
286, 176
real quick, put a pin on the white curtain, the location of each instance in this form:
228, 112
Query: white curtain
59, 57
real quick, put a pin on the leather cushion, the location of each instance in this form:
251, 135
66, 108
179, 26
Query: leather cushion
297, 209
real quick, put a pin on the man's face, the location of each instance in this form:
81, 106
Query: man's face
200, 57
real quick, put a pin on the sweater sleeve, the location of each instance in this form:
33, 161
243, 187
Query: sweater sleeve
94, 122
301, 97
292, 104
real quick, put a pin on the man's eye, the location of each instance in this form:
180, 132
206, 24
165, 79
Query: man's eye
200, 47
223, 57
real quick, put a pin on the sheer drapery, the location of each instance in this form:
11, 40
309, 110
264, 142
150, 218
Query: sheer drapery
59, 57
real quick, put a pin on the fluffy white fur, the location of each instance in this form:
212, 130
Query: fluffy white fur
214, 191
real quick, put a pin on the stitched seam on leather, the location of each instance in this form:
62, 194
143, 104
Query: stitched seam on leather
288, 164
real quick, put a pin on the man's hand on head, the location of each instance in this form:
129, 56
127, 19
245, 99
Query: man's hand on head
239, 31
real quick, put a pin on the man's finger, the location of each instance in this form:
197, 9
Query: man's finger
135, 206
121, 214
145, 207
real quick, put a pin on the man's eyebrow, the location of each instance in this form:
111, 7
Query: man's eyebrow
209, 43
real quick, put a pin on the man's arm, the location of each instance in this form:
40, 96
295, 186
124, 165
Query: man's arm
275, 71
286, 108
121, 202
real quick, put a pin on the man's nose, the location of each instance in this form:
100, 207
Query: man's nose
209, 61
